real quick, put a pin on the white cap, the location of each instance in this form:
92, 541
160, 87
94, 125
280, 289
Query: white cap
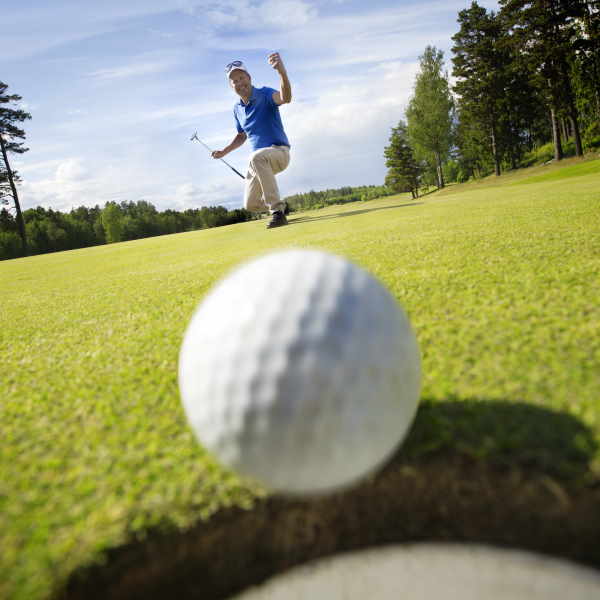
235, 65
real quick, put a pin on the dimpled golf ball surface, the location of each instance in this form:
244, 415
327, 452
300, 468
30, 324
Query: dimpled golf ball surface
301, 371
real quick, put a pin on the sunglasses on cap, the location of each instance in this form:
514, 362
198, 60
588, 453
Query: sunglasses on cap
235, 63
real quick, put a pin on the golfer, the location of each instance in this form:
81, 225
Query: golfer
257, 117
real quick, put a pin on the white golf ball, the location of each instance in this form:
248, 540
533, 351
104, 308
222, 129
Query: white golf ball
301, 371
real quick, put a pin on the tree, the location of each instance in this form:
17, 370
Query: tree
9, 133
586, 71
50, 230
112, 221
403, 170
543, 31
430, 113
480, 65
472, 143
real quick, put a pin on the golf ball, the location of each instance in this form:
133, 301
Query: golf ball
301, 371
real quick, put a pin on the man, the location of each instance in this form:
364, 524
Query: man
257, 117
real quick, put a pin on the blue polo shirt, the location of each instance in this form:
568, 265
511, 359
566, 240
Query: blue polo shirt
260, 119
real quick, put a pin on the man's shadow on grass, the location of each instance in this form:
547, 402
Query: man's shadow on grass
471, 470
351, 213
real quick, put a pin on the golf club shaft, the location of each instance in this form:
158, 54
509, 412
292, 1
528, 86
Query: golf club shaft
195, 137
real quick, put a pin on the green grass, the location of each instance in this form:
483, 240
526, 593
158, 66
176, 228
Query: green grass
501, 283
576, 170
568, 167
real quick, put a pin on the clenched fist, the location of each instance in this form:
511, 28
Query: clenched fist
276, 62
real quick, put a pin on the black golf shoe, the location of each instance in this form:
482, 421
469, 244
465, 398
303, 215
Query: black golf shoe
277, 220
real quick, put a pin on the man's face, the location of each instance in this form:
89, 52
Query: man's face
241, 83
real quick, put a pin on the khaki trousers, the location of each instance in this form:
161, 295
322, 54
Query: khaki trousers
261, 193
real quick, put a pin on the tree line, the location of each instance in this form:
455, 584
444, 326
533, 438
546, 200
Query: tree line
314, 200
527, 89
50, 230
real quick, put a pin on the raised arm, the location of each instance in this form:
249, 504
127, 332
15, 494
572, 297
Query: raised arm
284, 95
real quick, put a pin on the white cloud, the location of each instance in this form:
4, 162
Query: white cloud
220, 18
32, 28
192, 195
347, 126
186, 113
36, 167
70, 184
244, 15
65, 188
136, 69
70, 171
286, 13
187, 194
335, 40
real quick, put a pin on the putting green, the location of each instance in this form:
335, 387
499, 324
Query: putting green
501, 285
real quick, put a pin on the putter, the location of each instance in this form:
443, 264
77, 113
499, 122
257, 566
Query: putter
195, 137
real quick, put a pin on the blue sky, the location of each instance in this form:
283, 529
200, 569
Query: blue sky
117, 88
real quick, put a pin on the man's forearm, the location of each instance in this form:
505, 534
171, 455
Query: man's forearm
285, 86
238, 140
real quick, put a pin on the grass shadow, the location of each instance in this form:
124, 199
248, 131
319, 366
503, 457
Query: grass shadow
483, 471
503, 433
352, 213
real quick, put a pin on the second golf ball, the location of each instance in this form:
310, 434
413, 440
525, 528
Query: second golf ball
300, 370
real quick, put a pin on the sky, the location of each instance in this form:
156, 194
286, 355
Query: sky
116, 89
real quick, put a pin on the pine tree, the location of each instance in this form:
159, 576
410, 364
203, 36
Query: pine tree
492, 90
9, 133
525, 104
543, 31
403, 170
586, 69
479, 68
430, 113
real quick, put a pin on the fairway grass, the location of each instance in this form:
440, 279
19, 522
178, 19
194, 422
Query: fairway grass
501, 281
